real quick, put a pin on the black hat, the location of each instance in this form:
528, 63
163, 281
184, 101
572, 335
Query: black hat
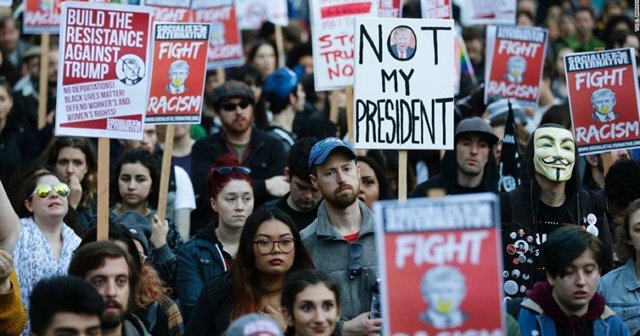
476, 125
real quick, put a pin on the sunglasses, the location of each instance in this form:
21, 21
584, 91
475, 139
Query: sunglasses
355, 267
232, 107
44, 190
226, 170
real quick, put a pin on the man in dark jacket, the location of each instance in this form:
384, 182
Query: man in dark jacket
549, 197
471, 167
233, 103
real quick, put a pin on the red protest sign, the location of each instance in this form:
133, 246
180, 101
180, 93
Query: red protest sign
179, 68
390, 9
103, 82
515, 60
436, 9
225, 42
603, 94
169, 10
444, 274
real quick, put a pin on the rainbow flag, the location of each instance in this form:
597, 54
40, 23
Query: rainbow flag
462, 64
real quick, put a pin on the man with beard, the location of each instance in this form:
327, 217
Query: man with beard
341, 240
549, 197
111, 271
264, 154
301, 203
470, 167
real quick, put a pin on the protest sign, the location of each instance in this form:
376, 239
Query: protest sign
398, 104
169, 10
440, 276
478, 12
41, 16
253, 13
515, 58
603, 95
332, 27
390, 9
436, 9
179, 68
225, 42
104, 79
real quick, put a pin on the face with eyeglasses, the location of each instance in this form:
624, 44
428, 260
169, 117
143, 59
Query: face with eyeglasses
49, 198
273, 248
236, 115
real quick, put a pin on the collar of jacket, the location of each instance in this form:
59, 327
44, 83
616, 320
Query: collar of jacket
326, 231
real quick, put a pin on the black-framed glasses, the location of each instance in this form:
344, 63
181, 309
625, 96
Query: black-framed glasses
266, 246
226, 170
44, 190
355, 267
230, 107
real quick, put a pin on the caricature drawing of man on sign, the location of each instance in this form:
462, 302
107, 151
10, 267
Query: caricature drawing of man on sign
178, 73
516, 65
603, 101
443, 289
130, 69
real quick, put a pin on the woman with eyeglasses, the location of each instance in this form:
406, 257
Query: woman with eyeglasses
270, 248
75, 160
210, 253
35, 234
310, 304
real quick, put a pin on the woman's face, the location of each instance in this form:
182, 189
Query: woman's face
6, 103
134, 184
273, 248
52, 205
370, 188
634, 231
71, 162
265, 60
315, 311
233, 204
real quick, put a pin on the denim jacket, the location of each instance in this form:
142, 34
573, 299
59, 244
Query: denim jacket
621, 292
533, 321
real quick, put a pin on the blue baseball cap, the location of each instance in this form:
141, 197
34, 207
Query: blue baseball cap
280, 84
324, 147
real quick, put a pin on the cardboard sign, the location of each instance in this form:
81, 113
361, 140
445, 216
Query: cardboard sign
603, 94
478, 12
332, 27
225, 42
436, 9
179, 68
515, 58
440, 276
390, 9
41, 16
104, 77
397, 102
169, 10
253, 13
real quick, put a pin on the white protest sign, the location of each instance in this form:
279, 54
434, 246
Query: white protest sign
404, 81
332, 23
253, 13
104, 79
479, 12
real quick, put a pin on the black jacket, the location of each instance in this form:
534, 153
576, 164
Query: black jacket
267, 158
212, 312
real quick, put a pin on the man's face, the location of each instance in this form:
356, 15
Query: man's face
9, 35
402, 40
338, 178
112, 282
444, 297
604, 103
235, 119
554, 153
303, 195
148, 142
472, 154
574, 291
178, 75
71, 324
584, 24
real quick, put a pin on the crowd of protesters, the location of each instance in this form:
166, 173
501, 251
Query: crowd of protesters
270, 209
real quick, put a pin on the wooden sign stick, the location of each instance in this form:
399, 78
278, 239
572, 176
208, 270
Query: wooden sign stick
43, 81
165, 172
103, 189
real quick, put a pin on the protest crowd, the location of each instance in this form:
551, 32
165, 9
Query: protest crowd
271, 224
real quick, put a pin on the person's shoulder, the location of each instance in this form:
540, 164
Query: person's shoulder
309, 232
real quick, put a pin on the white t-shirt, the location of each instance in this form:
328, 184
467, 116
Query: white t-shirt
185, 197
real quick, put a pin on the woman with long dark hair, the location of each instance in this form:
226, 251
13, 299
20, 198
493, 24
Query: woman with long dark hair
270, 248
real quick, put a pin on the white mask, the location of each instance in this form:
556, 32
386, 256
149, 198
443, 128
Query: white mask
554, 153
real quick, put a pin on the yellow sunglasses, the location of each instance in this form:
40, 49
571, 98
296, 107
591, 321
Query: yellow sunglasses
44, 190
